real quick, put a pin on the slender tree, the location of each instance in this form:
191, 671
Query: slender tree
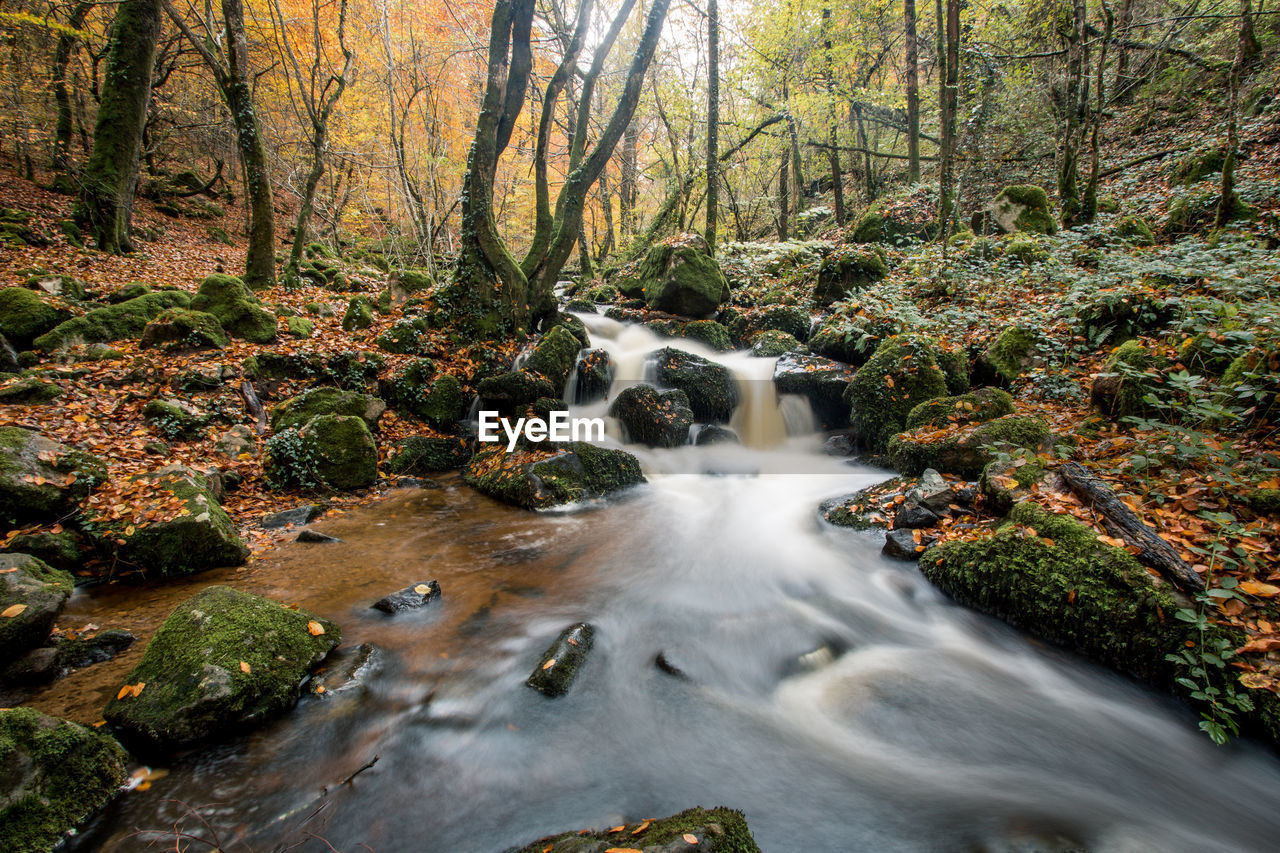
1069, 146
948, 97
713, 121
67, 41
913, 92
1246, 46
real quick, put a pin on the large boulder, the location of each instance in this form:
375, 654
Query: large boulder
40, 478
511, 392
791, 319
555, 356
536, 479
332, 451
966, 450
189, 532
224, 661
822, 380
679, 276
653, 418
1020, 207
296, 411
426, 454
118, 322
846, 272
25, 316
182, 328
718, 830
236, 307
440, 403
902, 374
56, 774
974, 407
712, 393
32, 596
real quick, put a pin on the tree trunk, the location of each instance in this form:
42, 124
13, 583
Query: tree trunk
1227, 201
1089, 207
833, 132
1068, 166
111, 174
784, 194
948, 94
627, 182
62, 96
713, 122
1122, 58
913, 93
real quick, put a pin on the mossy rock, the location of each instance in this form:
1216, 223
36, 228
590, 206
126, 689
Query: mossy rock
554, 357
902, 374
1108, 204
510, 392
709, 332
414, 280
29, 391
1005, 483
1025, 251
1012, 353
822, 380
296, 411
57, 774
652, 418
300, 327
1022, 207
1198, 165
440, 403
975, 407
40, 592
710, 387
1197, 211
679, 276
125, 292
1134, 230
1116, 392
603, 293
182, 328
772, 343
717, 830
355, 370
25, 316
536, 480
846, 272
1049, 575
122, 321
783, 318
406, 337
967, 450
875, 226
224, 661
41, 479
236, 307
423, 454
333, 451
173, 419
62, 550
359, 314
199, 535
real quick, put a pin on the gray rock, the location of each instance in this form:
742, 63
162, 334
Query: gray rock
32, 595
304, 514
315, 537
901, 544
409, 598
560, 663
102, 647
912, 515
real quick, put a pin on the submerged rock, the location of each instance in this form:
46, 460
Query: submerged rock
56, 774
32, 596
653, 418
536, 480
562, 661
316, 538
304, 514
717, 830
346, 669
712, 393
409, 598
223, 661
102, 647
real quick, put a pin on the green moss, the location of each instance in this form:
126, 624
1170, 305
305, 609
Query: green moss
604, 293
359, 314
1134, 230
709, 387
719, 830
42, 590
1011, 352
36, 476
1023, 207
580, 472
1198, 211
844, 273
708, 332
406, 337
772, 343
196, 687
172, 420
1116, 391
118, 322
1263, 501
1200, 353
182, 328
1198, 165
652, 418
1024, 250
954, 365
974, 407
682, 279
415, 281
1076, 592
24, 316
966, 452
61, 550
420, 454
1028, 195
555, 356
902, 374
29, 391
57, 774
784, 318
510, 392
1108, 204
296, 411
344, 455
440, 404
236, 307
300, 327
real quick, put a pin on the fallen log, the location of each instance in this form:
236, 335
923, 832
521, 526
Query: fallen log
1124, 523
254, 406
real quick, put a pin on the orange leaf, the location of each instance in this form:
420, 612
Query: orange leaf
549, 664
690, 838
13, 610
1262, 590
314, 628
245, 668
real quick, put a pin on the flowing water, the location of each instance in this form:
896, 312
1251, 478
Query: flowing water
832, 695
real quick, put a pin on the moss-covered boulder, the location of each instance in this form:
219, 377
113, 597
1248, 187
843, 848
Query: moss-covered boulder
359, 314
717, 830
594, 375
554, 357
1025, 250
182, 328
791, 319
537, 479
772, 343
236, 307
510, 392
966, 450
846, 272
64, 549
1049, 575
1012, 353
25, 316
1198, 165
902, 374
56, 775
119, 322
679, 276
1197, 211
426, 454
224, 661
712, 393
54, 284
974, 407
331, 451
29, 391
416, 391
1119, 390
174, 419
1134, 230
709, 332
407, 336
41, 479
32, 595
653, 418
1021, 207
562, 661
323, 400
879, 225
190, 534
299, 327
822, 380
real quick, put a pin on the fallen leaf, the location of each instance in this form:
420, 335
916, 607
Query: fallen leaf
314, 628
1260, 644
13, 610
1262, 590
549, 664
690, 838
422, 589
124, 691
245, 668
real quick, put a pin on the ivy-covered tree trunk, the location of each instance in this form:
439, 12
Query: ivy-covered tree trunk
1089, 205
784, 194
948, 98
627, 183
111, 174
1246, 46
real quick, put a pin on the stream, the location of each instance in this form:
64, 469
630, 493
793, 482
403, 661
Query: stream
831, 694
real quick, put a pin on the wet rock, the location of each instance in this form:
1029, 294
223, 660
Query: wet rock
560, 663
29, 391
820, 379
346, 670
112, 323
510, 392
299, 515
38, 666
717, 830
663, 663
839, 445
912, 515
595, 375
857, 510
772, 343
223, 661
32, 595
56, 774
652, 418
974, 407
715, 434
184, 329
554, 357
315, 537
409, 598
712, 393
578, 472
424, 454
102, 647
63, 550
903, 545
202, 538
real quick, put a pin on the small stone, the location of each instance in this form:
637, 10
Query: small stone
560, 664
913, 515
901, 544
315, 537
838, 445
409, 598
662, 663
298, 515
715, 434
96, 649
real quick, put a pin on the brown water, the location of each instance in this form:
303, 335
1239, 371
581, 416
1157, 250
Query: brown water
832, 695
